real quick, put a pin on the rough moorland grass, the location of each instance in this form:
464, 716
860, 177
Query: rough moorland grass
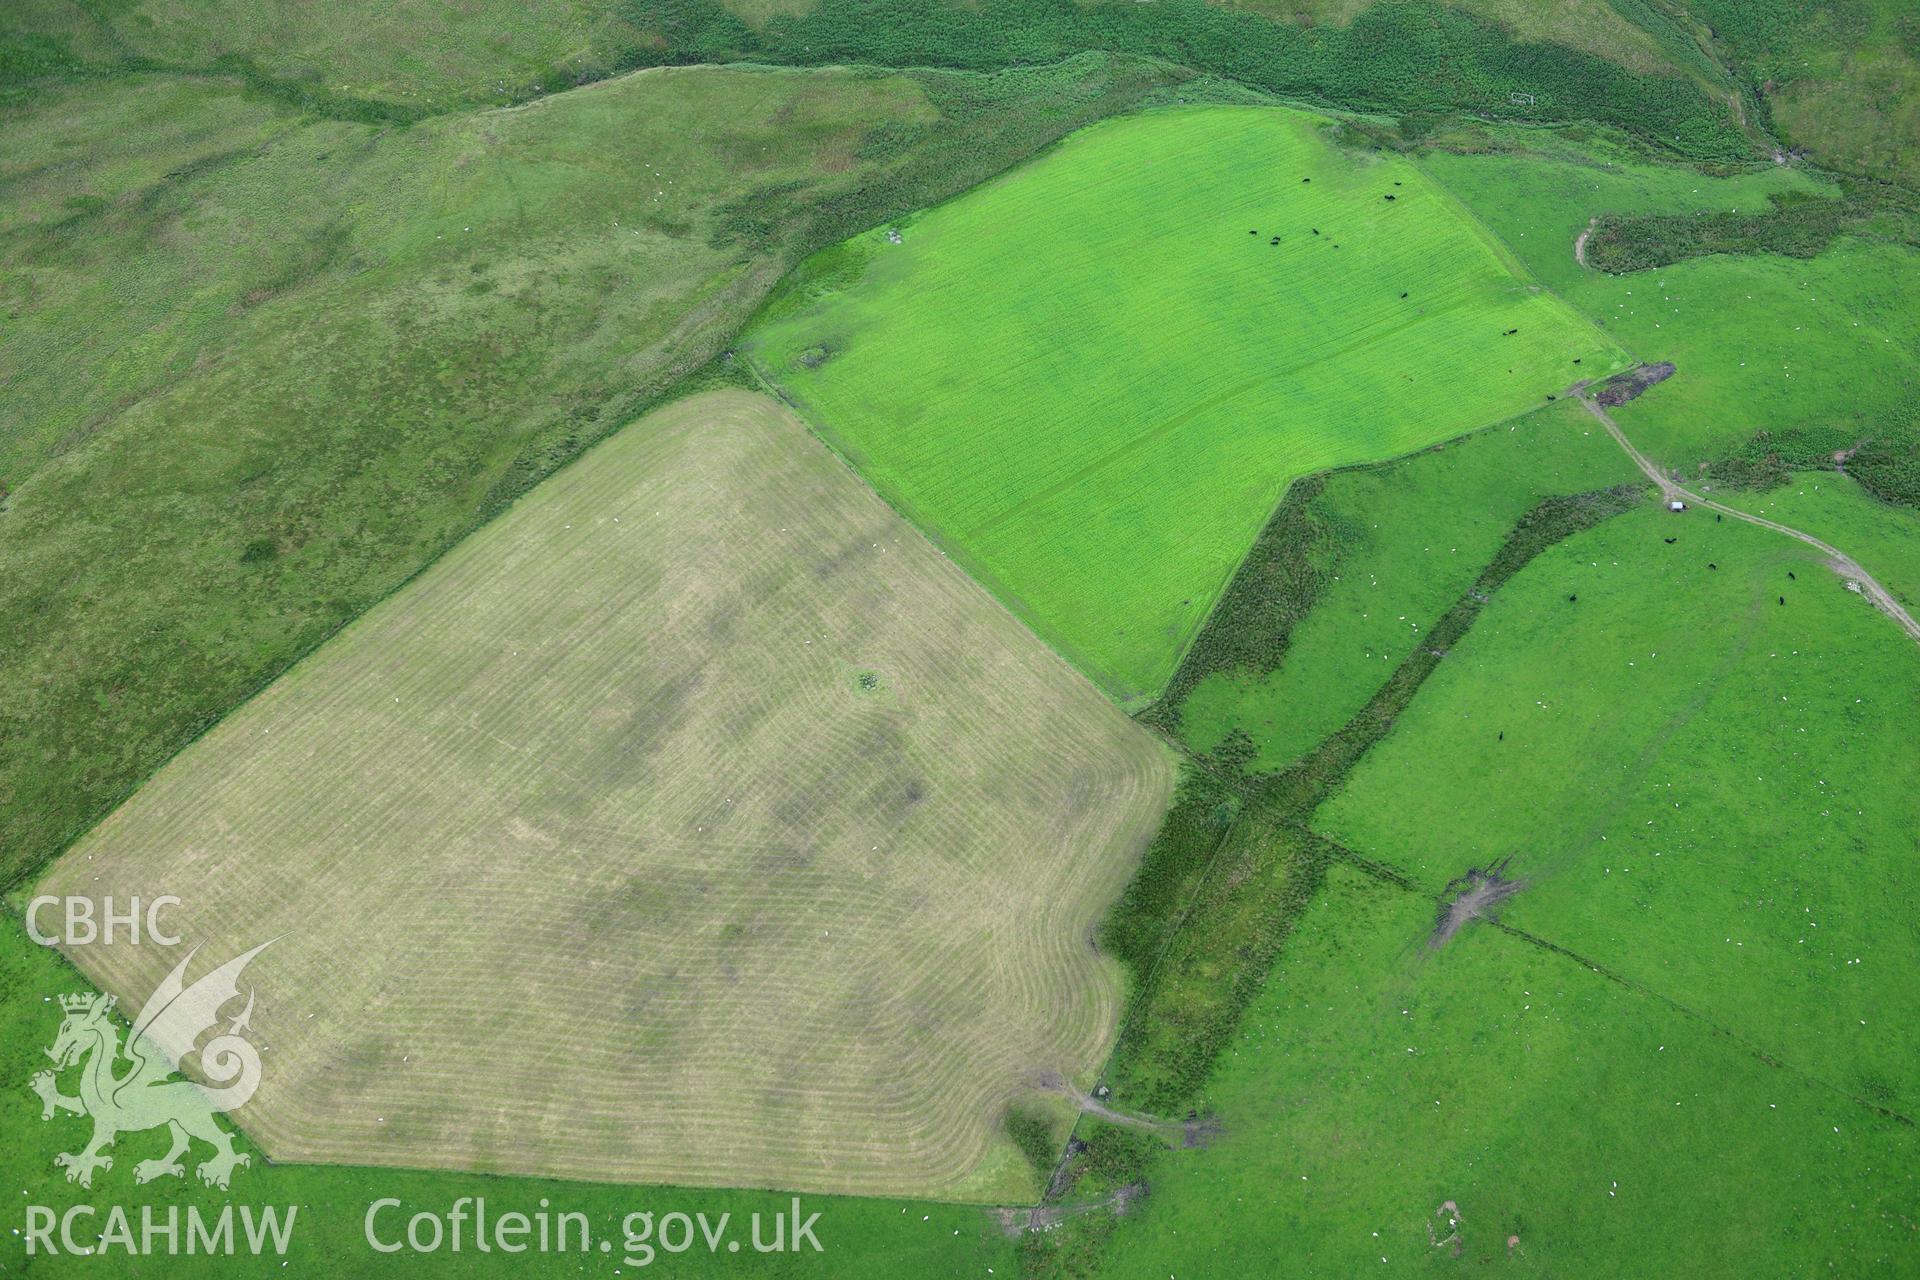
860, 1237
320, 354
1139, 927
1706, 790
1360, 567
1106, 360
1763, 342
1597, 27
401, 59
695, 821
1841, 80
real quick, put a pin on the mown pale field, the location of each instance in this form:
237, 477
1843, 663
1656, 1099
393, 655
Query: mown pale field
695, 822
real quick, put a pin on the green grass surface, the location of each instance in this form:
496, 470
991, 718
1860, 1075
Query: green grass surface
255, 376
1883, 538
1761, 342
859, 1237
1707, 791
1103, 360
1704, 973
1397, 544
1593, 26
1768, 343
1373, 1082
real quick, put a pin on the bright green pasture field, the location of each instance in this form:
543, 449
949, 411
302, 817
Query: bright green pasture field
1768, 343
1374, 1081
1412, 535
1707, 791
1883, 538
1091, 380
1760, 342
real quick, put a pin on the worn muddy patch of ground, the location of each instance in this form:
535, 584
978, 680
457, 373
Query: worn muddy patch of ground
1620, 388
1477, 895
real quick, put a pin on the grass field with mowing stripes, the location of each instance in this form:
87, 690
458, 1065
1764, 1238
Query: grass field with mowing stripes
1106, 360
693, 822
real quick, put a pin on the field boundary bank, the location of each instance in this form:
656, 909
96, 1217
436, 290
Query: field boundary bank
1390, 875
1230, 928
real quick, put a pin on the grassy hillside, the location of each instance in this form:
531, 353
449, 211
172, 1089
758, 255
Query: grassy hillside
1123, 354
1882, 537
1680, 984
399, 62
1638, 36
1494, 1106
1840, 78
1674, 782
258, 377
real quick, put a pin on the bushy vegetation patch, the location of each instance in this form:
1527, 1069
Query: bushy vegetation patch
1797, 226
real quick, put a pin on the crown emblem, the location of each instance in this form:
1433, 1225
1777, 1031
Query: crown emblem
81, 1001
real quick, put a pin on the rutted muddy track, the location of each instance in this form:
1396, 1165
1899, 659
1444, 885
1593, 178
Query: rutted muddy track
1194, 1131
1840, 562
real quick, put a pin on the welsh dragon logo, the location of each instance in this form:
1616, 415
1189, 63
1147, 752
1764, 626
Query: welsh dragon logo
150, 1093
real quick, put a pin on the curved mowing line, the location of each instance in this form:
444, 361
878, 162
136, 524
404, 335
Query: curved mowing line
594, 860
